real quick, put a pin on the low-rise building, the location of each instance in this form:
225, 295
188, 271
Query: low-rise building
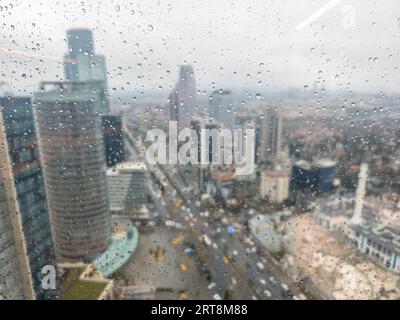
274, 185
127, 187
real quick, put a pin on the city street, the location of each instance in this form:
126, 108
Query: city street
237, 270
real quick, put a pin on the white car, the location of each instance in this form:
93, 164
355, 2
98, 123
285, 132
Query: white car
216, 296
204, 214
272, 280
211, 286
263, 282
206, 240
260, 265
170, 223
234, 253
215, 246
285, 286
267, 293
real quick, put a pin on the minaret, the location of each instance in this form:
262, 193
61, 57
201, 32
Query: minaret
360, 193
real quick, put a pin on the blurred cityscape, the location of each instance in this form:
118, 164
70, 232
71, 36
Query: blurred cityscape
85, 215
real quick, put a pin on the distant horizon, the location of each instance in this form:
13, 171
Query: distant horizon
229, 44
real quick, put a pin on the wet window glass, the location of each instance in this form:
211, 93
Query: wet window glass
212, 150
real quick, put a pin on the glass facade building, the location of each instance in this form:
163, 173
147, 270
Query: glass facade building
71, 144
113, 139
30, 191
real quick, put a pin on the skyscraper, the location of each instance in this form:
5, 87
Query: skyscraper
80, 42
72, 149
27, 174
82, 64
182, 100
15, 279
269, 136
173, 104
221, 108
113, 139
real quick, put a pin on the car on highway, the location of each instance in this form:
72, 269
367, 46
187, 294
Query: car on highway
206, 240
260, 265
170, 223
285, 286
216, 296
204, 214
211, 286
273, 280
267, 293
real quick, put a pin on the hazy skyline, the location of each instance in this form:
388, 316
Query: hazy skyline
229, 43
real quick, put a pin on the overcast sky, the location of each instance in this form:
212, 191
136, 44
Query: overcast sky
231, 44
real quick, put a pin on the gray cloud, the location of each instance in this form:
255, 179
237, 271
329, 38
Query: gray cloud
230, 43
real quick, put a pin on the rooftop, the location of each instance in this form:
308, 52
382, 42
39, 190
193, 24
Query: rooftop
118, 253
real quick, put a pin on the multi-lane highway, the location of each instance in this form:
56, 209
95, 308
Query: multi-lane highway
233, 262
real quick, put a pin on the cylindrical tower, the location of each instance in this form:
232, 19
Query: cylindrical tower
72, 151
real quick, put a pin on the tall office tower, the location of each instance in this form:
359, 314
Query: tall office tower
173, 105
182, 100
221, 108
113, 139
72, 149
269, 136
81, 64
21, 137
80, 42
15, 279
